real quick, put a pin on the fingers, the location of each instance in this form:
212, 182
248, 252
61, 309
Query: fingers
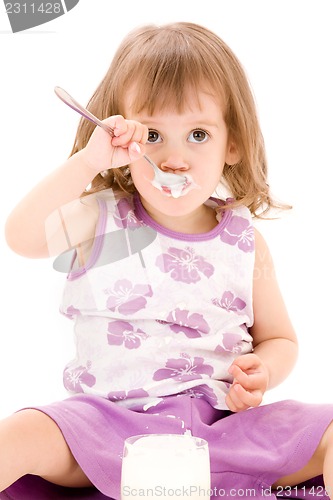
238, 399
127, 145
247, 362
250, 372
127, 131
134, 151
250, 382
104, 151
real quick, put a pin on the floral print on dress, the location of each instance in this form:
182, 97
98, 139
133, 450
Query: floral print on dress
121, 395
193, 325
127, 298
198, 338
184, 265
231, 342
71, 312
229, 302
124, 216
79, 376
239, 232
123, 333
184, 368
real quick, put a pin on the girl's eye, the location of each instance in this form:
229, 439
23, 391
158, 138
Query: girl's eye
154, 137
198, 136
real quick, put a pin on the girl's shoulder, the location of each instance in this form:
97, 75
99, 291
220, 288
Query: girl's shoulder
229, 204
85, 222
71, 224
116, 211
232, 216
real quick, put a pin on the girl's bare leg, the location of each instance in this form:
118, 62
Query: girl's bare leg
320, 463
32, 443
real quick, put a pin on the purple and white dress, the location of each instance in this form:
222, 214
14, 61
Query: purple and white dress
159, 316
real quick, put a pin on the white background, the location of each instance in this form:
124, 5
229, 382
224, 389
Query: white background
286, 49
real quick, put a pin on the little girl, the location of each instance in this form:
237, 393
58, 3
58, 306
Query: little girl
179, 322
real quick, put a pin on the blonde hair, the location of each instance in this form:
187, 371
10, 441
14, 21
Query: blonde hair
162, 63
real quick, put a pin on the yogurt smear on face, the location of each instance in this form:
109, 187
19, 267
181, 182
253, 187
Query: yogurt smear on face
178, 189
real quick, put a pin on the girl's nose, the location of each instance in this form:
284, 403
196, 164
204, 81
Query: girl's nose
173, 163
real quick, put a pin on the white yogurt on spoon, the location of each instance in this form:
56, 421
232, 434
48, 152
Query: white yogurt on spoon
174, 188
171, 184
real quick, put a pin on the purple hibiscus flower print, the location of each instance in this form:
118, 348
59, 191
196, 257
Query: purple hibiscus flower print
192, 325
74, 379
230, 343
127, 298
125, 216
229, 302
183, 369
71, 312
184, 265
123, 333
239, 232
121, 395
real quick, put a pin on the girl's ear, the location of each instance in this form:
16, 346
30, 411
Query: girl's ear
233, 155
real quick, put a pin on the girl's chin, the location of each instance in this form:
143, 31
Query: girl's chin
171, 207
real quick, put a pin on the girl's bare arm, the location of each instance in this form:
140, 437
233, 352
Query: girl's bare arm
52, 216
274, 339
26, 227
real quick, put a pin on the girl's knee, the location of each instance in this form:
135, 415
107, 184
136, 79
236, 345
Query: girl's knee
18, 450
54, 461
33, 437
29, 426
32, 443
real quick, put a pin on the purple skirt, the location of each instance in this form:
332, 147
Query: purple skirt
249, 450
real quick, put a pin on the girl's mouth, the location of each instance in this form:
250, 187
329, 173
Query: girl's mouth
177, 190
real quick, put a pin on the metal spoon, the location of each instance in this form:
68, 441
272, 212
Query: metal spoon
173, 181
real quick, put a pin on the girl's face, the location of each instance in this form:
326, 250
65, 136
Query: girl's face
194, 142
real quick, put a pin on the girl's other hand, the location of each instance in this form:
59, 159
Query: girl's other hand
103, 151
251, 380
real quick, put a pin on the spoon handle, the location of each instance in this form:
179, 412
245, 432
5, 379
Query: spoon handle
72, 103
